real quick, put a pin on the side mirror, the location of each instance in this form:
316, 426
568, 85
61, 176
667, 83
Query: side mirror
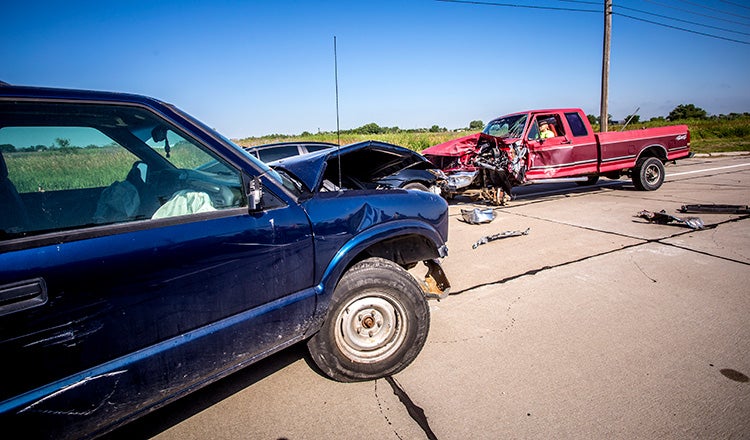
254, 195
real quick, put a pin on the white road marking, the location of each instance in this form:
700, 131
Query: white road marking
709, 169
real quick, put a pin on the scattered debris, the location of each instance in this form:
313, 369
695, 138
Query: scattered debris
494, 237
477, 216
716, 209
663, 218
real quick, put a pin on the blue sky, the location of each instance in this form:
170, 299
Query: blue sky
250, 68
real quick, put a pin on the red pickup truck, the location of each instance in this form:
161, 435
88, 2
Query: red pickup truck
516, 149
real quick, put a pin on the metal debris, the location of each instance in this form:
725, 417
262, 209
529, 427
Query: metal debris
663, 218
435, 284
477, 216
716, 209
506, 234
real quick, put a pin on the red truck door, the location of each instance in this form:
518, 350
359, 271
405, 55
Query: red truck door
570, 151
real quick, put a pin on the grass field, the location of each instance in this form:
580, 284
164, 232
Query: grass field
98, 167
707, 136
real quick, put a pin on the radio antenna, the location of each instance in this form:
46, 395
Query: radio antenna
336, 76
629, 119
338, 130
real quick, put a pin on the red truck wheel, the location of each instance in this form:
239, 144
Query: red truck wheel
648, 174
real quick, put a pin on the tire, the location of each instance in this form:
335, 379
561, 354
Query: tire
380, 295
590, 180
415, 185
648, 174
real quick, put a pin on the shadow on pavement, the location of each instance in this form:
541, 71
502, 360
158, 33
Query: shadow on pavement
164, 418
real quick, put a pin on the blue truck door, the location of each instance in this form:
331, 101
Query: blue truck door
105, 305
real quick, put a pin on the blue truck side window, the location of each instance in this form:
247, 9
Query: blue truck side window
576, 124
68, 166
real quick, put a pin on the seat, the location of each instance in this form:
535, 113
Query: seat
553, 129
13, 214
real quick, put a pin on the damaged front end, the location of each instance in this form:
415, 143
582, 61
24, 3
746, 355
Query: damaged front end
481, 167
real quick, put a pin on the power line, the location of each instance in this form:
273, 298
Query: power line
680, 29
581, 1
511, 5
735, 4
714, 9
680, 20
520, 6
695, 13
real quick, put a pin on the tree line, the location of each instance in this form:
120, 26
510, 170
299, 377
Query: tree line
681, 112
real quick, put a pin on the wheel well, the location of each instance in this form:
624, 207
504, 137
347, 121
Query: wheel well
405, 250
654, 151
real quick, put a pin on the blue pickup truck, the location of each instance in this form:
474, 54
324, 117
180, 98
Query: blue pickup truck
143, 256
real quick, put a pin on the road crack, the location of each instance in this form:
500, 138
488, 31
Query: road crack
415, 411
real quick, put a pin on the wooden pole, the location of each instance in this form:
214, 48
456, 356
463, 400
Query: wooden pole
604, 112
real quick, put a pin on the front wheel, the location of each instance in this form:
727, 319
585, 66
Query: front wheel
376, 325
648, 174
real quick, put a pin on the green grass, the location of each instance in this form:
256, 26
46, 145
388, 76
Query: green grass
707, 136
710, 135
413, 141
77, 168
80, 168
98, 167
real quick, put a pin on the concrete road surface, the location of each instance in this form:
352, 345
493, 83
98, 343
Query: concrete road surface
597, 324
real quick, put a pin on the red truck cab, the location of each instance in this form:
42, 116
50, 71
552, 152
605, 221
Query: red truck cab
567, 147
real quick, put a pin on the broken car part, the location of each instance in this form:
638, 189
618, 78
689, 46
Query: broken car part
716, 209
663, 218
435, 284
494, 237
477, 216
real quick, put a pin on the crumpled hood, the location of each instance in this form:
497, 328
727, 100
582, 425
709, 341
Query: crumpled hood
308, 168
454, 147
463, 145
365, 161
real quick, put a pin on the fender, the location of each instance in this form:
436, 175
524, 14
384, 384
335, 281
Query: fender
655, 150
349, 252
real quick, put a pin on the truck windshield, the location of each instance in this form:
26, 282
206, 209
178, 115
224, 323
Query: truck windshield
506, 126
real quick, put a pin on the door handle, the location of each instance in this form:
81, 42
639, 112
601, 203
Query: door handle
22, 295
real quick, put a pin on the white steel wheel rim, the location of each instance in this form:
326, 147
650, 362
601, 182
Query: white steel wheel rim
653, 174
370, 328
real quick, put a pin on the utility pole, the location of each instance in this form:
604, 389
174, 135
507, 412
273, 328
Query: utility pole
604, 112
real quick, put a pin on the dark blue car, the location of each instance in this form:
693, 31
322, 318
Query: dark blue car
132, 273
367, 165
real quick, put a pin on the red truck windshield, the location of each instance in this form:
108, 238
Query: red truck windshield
506, 126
